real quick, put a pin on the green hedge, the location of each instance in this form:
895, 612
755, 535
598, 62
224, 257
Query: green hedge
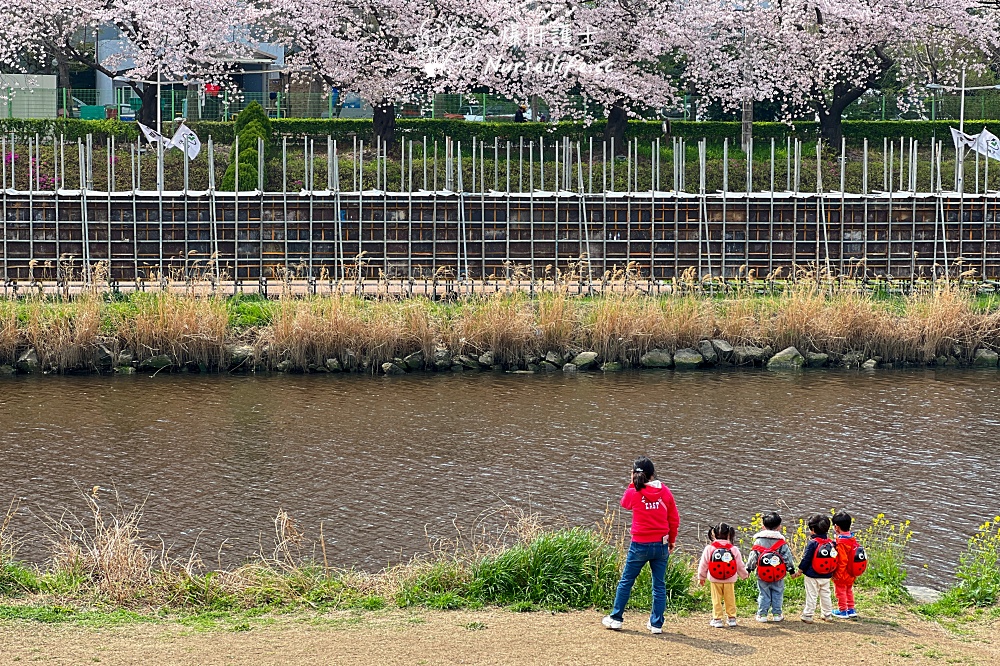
344, 130
719, 130
645, 130
71, 128
922, 130
460, 130
855, 131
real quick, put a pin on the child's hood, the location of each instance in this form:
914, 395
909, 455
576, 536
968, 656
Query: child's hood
653, 490
773, 535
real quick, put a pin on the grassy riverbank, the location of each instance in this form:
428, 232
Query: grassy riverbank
505, 331
105, 569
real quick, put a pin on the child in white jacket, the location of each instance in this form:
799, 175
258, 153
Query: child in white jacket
772, 560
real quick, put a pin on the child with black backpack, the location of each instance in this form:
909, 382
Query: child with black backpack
772, 559
851, 563
722, 565
819, 562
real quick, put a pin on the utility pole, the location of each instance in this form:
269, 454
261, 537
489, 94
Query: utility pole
746, 134
159, 127
746, 128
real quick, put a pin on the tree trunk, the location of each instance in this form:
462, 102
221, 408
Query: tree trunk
64, 81
831, 128
147, 112
746, 125
384, 122
615, 129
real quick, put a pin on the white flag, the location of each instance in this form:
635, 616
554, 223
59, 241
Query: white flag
153, 136
985, 143
187, 141
988, 144
963, 140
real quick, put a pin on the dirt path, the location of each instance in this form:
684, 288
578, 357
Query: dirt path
500, 637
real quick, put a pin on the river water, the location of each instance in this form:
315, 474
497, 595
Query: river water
385, 463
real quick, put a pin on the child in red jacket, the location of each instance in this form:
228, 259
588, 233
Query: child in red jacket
722, 565
843, 578
654, 530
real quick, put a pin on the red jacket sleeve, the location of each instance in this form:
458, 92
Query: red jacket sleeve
630, 497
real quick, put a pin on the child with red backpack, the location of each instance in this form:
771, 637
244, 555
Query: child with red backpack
851, 563
819, 562
722, 565
772, 559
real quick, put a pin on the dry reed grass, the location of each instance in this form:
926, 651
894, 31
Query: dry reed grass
8, 544
620, 327
313, 330
623, 327
10, 334
63, 335
558, 316
187, 329
503, 323
105, 549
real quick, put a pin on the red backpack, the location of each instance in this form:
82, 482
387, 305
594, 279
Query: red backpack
722, 562
859, 562
825, 557
770, 567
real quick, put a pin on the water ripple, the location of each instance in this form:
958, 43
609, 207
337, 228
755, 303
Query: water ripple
384, 463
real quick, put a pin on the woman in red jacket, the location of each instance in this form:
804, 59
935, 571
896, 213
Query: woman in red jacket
654, 531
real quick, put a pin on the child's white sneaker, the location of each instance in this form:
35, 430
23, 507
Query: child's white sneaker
761, 618
611, 623
778, 618
652, 629
718, 624
732, 622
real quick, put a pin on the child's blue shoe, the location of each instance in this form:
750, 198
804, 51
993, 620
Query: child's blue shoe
842, 614
853, 614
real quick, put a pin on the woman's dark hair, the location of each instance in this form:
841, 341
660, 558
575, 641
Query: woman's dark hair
843, 520
722, 531
772, 520
820, 525
642, 472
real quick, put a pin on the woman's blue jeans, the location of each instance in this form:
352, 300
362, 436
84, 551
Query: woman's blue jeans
656, 554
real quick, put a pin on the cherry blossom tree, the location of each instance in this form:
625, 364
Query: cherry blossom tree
363, 46
173, 39
581, 57
822, 55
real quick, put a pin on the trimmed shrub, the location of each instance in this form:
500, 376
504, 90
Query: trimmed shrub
248, 156
249, 135
253, 113
248, 178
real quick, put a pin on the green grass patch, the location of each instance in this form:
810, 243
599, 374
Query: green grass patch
52, 614
569, 567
